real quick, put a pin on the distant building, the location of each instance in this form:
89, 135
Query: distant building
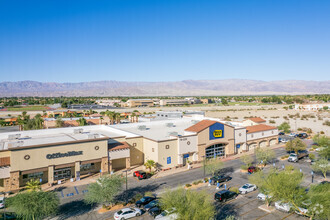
132, 103
253, 121
164, 102
108, 102
311, 107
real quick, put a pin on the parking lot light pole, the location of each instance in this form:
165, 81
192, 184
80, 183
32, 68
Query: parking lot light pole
126, 171
203, 168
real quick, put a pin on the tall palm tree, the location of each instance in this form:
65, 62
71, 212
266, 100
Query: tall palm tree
117, 117
150, 164
59, 123
82, 121
39, 122
33, 185
111, 116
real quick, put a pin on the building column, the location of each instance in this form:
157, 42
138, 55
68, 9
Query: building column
105, 165
12, 183
50, 175
128, 163
77, 169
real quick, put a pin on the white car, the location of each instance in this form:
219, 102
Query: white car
286, 207
166, 215
127, 213
247, 188
301, 211
292, 134
263, 197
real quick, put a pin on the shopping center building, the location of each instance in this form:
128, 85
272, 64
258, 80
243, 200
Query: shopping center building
53, 155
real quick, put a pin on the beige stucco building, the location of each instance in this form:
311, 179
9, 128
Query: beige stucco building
68, 154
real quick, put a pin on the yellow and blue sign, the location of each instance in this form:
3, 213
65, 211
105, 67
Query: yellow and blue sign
217, 131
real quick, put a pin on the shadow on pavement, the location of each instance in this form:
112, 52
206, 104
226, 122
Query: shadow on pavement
74, 209
130, 193
225, 210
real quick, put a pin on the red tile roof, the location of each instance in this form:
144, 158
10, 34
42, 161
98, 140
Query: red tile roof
200, 126
257, 120
118, 146
257, 128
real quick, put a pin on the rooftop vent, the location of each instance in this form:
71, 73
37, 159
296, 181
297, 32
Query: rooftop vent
142, 127
78, 131
194, 121
93, 136
173, 133
169, 125
15, 144
14, 136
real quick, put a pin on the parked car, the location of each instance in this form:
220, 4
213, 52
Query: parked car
2, 201
8, 216
127, 213
154, 211
144, 201
302, 135
283, 140
281, 133
140, 174
167, 215
246, 188
224, 195
293, 157
263, 197
220, 179
151, 205
285, 207
253, 169
292, 134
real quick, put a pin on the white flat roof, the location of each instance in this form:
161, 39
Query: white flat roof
158, 130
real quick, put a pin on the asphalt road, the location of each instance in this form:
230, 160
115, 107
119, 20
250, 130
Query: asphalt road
73, 206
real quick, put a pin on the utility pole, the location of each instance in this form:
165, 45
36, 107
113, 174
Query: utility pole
204, 167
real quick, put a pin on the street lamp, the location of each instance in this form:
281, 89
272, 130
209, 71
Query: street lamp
203, 168
126, 171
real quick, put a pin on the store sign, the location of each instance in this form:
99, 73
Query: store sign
216, 131
67, 154
169, 160
186, 156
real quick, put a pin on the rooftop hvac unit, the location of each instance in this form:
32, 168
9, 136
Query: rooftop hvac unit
15, 144
2, 145
169, 125
14, 136
173, 133
93, 136
142, 127
78, 131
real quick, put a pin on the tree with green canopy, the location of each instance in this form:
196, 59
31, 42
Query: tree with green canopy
322, 165
318, 201
213, 165
82, 121
149, 164
284, 127
323, 142
188, 205
264, 155
34, 204
104, 189
295, 145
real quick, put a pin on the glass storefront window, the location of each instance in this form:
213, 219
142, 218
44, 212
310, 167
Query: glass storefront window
87, 167
37, 175
217, 150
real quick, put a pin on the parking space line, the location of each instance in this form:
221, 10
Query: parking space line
245, 203
76, 190
262, 216
287, 216
247, 212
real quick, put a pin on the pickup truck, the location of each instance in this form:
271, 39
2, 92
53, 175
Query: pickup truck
293, 157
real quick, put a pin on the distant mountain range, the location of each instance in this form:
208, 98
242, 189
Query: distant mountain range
178, 88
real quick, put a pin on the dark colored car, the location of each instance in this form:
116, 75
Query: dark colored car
140, 174
281, 133
253, 169
9, 215
151, 205
144, 201
225, 195
154, 211
220, 179
302, 135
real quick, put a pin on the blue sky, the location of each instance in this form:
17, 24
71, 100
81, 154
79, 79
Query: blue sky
164, 40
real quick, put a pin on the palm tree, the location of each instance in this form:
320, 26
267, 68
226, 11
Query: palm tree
33, 185
38, 122
82, 121
59, 123
111, 116
150, 164
117, 117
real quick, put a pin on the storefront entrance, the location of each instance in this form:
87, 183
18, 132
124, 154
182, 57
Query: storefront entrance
217, 150
64, 173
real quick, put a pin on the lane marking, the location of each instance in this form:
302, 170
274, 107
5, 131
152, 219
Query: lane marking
247, 212
62, 193
246, 203
287, 216
262, 216
76, 190
69, 194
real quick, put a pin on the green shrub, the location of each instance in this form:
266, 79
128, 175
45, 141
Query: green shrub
188, 185
137, 197
195, 183
285, 156
206, 179
312, 156
321, 132
151, 194
234, 189
271, 121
